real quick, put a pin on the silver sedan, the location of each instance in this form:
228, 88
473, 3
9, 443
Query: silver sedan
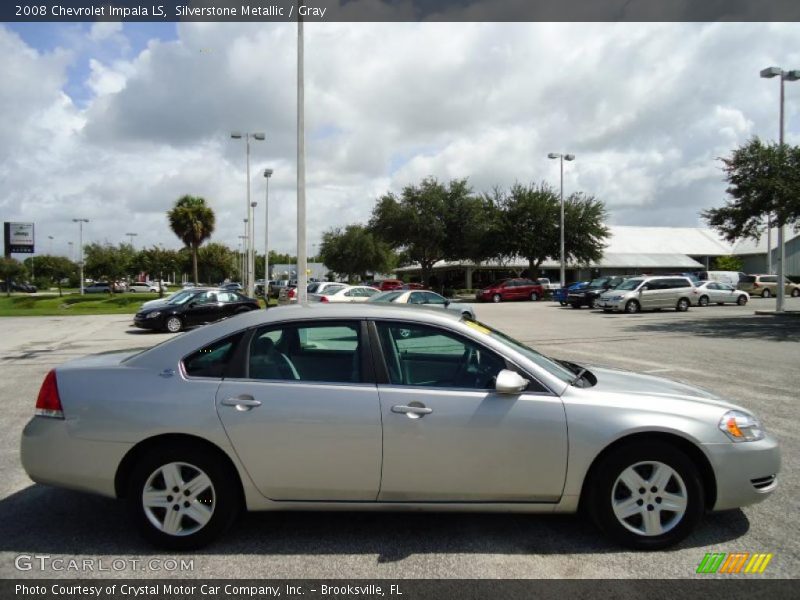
714, 292
423, 298
378, 407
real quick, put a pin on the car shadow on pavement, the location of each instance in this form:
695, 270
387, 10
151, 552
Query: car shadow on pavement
755, 327
41, 519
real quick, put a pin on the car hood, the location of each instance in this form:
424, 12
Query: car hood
153, 304
633, 384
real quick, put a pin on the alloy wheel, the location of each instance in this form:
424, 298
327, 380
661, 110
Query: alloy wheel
178, 499
174, 324
649, 498
703, 301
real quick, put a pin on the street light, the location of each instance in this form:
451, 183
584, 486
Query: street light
302, 259
794, 75
51, 238
267, 175
80, 223
131, 236
562, 158
71, 250
250, 266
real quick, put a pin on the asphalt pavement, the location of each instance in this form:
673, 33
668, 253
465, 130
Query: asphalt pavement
753, 360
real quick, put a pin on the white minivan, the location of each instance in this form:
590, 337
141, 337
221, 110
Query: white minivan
649, 293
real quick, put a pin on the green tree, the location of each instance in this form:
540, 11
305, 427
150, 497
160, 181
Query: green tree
217, 262
193, 222
53, 269
585, 232
728, 263
157, 261
426, 221
355, 251
763, 179
10, 270
108, 262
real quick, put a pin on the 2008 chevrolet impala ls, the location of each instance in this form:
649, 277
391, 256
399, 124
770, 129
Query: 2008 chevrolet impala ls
387, 408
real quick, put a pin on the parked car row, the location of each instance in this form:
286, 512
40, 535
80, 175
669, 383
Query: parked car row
190, 307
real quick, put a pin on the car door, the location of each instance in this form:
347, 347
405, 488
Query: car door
303, 415
714, 293
449, 437
201, 309
649, 294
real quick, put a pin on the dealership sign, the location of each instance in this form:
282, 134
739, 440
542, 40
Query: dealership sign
19, 238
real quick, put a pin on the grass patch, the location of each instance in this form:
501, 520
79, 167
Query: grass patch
90, 304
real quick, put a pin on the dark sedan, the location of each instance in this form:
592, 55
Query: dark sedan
190, 309
588, 295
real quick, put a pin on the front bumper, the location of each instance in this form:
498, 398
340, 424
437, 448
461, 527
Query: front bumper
155, 323
746, 472
609, 304
50, 455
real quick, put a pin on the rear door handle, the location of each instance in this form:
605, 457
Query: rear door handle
413, 412
243, 403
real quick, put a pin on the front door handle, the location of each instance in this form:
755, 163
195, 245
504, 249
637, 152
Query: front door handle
243, 403
412, 411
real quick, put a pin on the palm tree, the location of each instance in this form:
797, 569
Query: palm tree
193, 222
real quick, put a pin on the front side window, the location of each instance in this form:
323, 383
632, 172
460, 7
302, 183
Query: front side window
433, 298
329, 352
419, 355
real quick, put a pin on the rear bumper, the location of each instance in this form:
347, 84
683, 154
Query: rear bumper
746, 472
51, 456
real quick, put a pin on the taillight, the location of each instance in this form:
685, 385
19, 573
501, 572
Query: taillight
48, 404
755, 284
323, 298
292, 293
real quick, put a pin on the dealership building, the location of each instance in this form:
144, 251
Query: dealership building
629, 251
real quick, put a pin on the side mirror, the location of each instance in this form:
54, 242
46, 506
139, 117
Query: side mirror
446, 303
192, 304
509, 382
644, 288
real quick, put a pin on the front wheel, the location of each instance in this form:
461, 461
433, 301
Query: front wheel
646, 496
632, 306
795, 292
174, 324
703, 301
766, 294
496, 298
182, 498
741, 300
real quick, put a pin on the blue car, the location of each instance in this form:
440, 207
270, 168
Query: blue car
560, 295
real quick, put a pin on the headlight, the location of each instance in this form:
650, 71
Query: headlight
615, 298
153, 314
741, 427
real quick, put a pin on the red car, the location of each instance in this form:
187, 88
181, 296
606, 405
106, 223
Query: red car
389, 284
511, 289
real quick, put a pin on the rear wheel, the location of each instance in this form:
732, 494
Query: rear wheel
703, 301
741, 300
646, 496
795, 292
534, 296
766, 294
174, 324
182, 498
683, 305
631, 306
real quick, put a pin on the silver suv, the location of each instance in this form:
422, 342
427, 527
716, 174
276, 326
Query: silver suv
649, 293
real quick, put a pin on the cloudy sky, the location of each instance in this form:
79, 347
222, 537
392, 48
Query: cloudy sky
113, 122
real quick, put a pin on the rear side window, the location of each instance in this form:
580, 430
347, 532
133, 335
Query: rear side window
212, 360
770, 279
746, 278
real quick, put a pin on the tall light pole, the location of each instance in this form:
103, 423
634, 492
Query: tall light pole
80, 223
562, 158
243, 246
50, 245
267, 175
302, 261
250, 280
71, 246
794, 75
245, 256
130, 237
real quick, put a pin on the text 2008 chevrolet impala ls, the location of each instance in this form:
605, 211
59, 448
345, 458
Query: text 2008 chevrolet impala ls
376, 407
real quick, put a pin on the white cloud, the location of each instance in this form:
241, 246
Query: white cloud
647, 109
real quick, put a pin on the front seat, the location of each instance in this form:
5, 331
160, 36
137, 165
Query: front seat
266, 362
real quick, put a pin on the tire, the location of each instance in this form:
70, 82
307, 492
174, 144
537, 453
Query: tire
682, 305
593, 303
741, 300
766, 294
174, 324
607, 310
215, 505
562, 303
703, 301
647, 466
534, 296
631, 307
497, 298
575, 305
795, 292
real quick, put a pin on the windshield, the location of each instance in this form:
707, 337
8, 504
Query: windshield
548, 364
181, 297
598, 282
631, 284
385, 297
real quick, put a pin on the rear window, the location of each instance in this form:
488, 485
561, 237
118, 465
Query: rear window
746, 278
212, 360
770, 279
